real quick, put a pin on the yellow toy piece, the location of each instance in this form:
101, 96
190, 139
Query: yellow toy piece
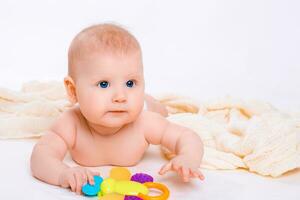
165, 192
110, 185
120, 174
112, 196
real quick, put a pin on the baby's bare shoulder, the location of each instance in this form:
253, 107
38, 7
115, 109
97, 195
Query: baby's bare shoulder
152, 122
65, 126
150, 117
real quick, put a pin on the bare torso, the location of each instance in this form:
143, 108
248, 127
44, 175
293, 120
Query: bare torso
124, 148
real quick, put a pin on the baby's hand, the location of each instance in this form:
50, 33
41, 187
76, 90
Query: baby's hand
76, 177
186, 168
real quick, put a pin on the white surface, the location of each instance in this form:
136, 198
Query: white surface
17, 183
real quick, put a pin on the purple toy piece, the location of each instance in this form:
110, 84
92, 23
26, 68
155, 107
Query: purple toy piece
132, 198
141, 178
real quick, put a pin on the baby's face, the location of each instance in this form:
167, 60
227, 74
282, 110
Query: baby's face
110, 88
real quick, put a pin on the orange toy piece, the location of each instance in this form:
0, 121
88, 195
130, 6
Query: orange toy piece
120, 174
165, 191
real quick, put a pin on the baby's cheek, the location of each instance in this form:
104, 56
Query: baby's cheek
92, 108
97, 105
137, 106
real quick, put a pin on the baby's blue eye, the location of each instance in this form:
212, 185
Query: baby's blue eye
103, 84
130, 83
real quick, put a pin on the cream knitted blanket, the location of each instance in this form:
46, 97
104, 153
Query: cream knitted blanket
27, 113
240, 134
237, 134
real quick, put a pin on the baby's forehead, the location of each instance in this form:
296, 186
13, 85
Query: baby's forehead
125, 64
101, 39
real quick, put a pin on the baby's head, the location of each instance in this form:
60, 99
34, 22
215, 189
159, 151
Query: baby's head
105, 75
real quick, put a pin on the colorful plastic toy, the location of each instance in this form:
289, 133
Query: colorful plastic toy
118, 184
165, 192
120, 173
110, 185
141, 178
92, 190
127, 197
112, 196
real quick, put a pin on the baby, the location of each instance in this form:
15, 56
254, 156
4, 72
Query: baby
108, 124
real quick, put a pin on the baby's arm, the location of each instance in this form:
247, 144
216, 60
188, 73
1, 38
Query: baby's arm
48, 153
185, 143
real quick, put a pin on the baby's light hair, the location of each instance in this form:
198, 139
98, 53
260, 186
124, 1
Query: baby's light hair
101, 38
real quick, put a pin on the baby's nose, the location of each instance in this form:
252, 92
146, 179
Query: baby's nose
120, 97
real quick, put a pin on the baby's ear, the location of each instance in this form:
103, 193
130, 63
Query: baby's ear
71, 89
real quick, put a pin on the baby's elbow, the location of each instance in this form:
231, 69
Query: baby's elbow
194, 137
34, 159
199, 143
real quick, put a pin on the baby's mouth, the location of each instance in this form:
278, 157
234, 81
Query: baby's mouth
117, 111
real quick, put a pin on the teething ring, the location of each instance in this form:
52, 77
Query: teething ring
161, 187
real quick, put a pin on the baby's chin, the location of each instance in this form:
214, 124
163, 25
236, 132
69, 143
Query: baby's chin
115, 120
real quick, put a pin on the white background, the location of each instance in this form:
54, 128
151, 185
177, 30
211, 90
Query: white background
204, 49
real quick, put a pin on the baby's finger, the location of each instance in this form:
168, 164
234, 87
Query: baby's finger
167, 167
90, 177
95, 173
194, 174
79, 182
84, 177
198, 174
176, 167
185, 174
72, 182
